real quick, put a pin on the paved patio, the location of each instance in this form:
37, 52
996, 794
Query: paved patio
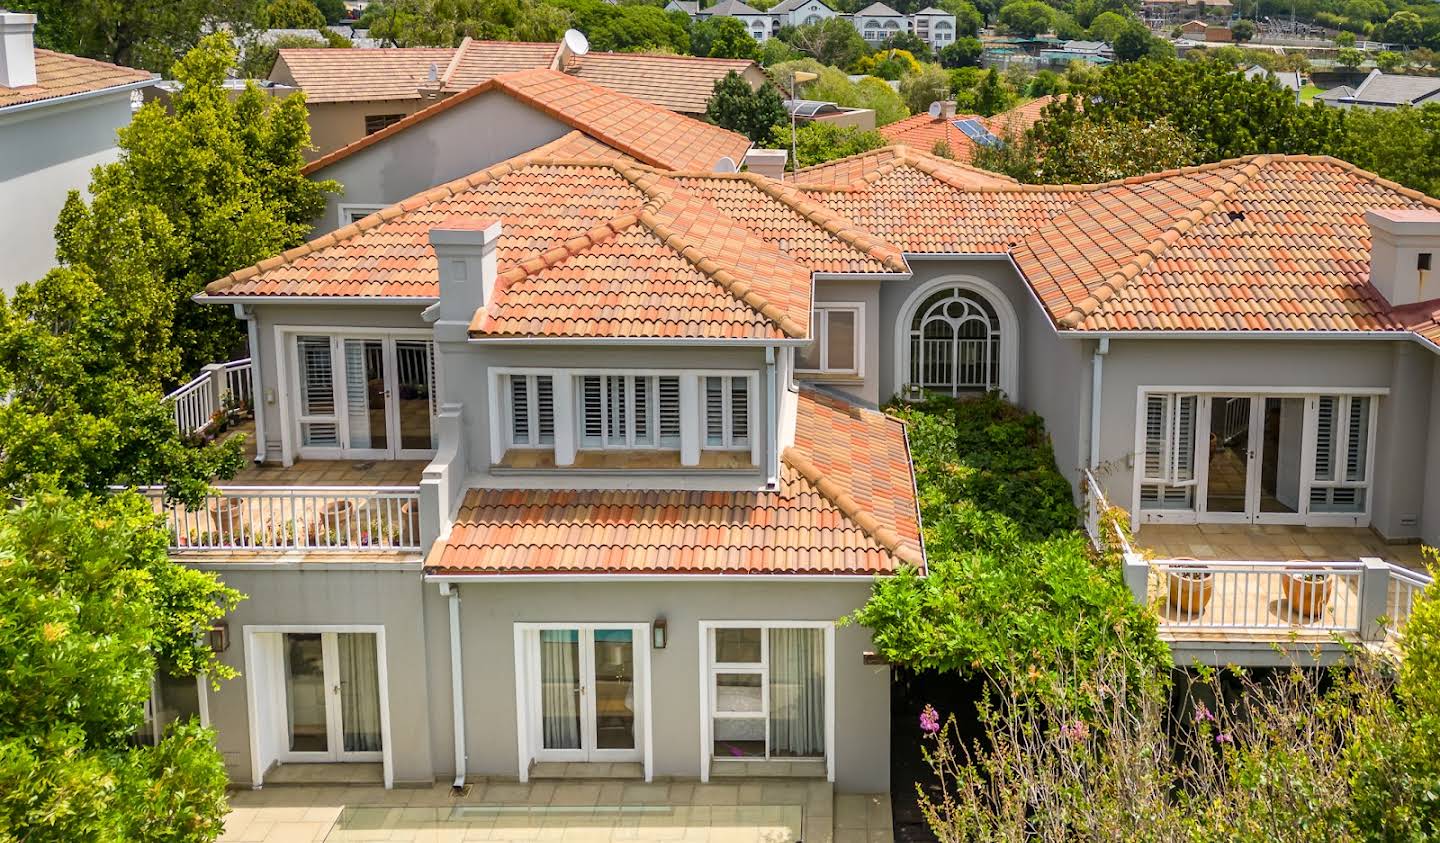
583, 811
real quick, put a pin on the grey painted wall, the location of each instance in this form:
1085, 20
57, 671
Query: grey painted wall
44, 154
867, 387
1404, 414
483, 131
319, 594
489, 610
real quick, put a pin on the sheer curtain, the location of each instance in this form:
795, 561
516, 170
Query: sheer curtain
797, 692
359, 691
559, 684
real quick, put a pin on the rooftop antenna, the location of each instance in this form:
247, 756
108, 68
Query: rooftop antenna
576, 42
935, 109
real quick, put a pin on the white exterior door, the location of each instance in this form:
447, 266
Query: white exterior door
586, 691
329, 696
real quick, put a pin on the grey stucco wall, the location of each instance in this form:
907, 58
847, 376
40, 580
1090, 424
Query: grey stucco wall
473, 135
322, 594
1402, 425
1430, 467
489, 610
44, 154
867, 387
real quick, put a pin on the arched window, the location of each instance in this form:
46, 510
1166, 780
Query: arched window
890, 24
955, 342
812, 19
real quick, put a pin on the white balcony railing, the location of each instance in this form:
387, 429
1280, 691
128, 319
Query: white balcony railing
217, 386
1096, 505
279, 518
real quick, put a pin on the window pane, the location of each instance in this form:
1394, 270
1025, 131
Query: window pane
179, 698
737, 646
797, 693
738, 693
614, 689
841, 331
739, 738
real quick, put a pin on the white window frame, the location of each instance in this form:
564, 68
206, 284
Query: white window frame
820, 329
1305, 516
352, 212
1009, 328
708, 669
627, 439
532, 395
727, 414
1343, 435
152, 704
289, 395
260, 687
527, 673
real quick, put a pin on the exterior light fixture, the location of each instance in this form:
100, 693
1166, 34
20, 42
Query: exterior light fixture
658, 633
218, 637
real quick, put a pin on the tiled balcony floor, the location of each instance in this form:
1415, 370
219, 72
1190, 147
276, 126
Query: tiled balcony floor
322, 472
1260, 543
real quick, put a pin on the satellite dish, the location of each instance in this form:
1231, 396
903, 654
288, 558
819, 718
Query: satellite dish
576, 42
725, 165
935, 110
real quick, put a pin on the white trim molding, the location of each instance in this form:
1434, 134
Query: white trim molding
1009, 375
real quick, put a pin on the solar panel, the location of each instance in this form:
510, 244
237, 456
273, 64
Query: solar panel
976, 131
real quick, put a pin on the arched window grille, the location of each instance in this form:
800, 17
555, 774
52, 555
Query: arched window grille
955, 342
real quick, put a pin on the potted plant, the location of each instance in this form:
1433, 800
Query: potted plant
1308, 592
1190, 590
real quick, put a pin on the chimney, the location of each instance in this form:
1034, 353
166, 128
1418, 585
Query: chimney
767, 162
465, 253
17, 49
947, 109
1403, 245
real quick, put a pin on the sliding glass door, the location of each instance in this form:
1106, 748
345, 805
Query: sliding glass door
357, 397
584, 694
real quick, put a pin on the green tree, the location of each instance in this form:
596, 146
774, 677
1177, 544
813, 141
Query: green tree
1045, 83
879, 97
150, 35
1093, 152
1132, 43
910, 43
736, 106
833, 41
1345, 39
224, 175
92, 607
964, 52
774, 51
444, 23
1108, 25
260, 57
833, 86
293, 14
1349, 57
816, 143
1027, 18
333, 10
724, 38
888, 64
1402, 144
990, 96
918, 90
968, 19
1388, 61
1242, 31
641, 29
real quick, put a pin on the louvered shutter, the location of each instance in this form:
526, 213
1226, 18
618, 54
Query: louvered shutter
592, 406
715, 411
520, 410
669, 411
545, 409
1357, 440
1182, 440
739, 411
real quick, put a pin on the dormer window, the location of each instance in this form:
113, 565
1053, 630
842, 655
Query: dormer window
727, 412
531, 410
630, 411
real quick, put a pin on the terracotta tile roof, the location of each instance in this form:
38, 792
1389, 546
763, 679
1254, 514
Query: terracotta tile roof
598, 248
679, 83
61, 75
858, 172
828, 517
921, 131
646, 132
329, 75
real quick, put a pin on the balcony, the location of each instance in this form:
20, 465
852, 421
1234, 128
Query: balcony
1235, 591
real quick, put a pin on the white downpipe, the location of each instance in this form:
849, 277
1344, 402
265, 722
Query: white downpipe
772, 417
257, 391
457, 688
1097, 378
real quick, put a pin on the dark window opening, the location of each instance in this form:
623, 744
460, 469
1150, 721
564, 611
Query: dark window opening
376, 122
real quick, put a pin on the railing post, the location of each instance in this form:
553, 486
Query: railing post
1137, 577
219, 385
1374, 599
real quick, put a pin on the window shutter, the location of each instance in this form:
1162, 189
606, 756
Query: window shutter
592, 408
1157, 438
520, 410
1325, 433
1182, 454
545, 408
669, 421
1357, 439
640, 388
739, 411
715, 411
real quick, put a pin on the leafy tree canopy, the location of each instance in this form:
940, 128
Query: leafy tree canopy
910, 43
963, 52
92, 607
293, 14
1107, 25
739, 108
213, 185
888, 64
1025, 17
833, 41
920, 89
968, 19
722, 37
1242, 30
816, 143
445, 23
150, 35
834, 86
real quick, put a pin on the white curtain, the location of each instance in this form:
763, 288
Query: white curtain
359, 691
559, 706
797, 693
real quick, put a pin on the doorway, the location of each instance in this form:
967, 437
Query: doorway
586, 691
363, 397
317, 695
1254, 456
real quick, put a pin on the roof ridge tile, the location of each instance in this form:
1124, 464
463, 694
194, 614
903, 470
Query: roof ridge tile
846, 503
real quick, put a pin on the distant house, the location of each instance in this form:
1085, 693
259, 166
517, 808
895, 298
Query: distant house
963, 133
1386, 90
800, 12
354, 93
1335, 95
877, 21
1289, 79
1219, 35
935, 27
1194, 29
58, 118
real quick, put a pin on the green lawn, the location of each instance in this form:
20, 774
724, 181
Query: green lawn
1308, 92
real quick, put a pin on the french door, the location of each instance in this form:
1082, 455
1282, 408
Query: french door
330, 686
364, 397
1257, 458
585, 691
